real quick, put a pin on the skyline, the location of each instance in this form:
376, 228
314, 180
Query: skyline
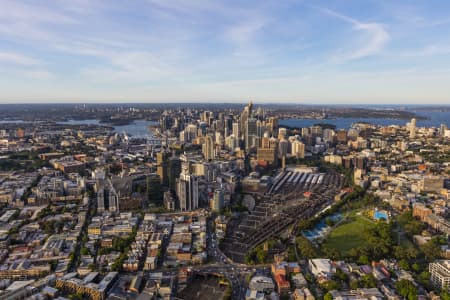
306, 52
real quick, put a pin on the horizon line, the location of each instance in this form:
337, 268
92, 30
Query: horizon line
224, 103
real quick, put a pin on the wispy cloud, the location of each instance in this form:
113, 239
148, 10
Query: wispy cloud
18, 59
18, 11
244, 32
376, 37
36, 74
203, 48
430, 50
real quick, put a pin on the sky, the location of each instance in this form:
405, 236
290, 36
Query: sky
289, 51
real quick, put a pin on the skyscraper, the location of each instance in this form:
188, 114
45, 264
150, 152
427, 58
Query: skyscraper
298, 149
218, 200
237, 130
187, 189
251, 133
412, 128
162, 166
208, 148
173, 172
283, 147
245, 115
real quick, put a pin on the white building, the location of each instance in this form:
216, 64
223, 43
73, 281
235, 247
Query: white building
187, 189
440, 274
321, 268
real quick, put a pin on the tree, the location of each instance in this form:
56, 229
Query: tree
406, 289
416, 267
404, 264
332, 253
432, 249
363, 259
409, 224
445, 295
84, 251
305, 248
330, 285
424, 279
261, 255
341, 275
354, 285
368, 281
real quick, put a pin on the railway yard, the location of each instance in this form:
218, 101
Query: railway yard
293, 195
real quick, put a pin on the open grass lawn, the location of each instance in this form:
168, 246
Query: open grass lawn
348, 235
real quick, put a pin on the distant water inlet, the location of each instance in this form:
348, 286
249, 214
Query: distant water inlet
136, 129
433, 119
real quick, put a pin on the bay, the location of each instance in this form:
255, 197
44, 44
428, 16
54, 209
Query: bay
136, 129
434, 119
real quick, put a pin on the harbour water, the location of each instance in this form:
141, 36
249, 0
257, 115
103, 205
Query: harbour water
434, 119
137, 129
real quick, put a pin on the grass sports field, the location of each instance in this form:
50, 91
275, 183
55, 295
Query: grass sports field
348, 235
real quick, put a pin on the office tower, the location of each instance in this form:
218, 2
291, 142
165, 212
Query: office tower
173, 172
360, 162
328, 135
183, 136
412, 128
113, 198
165, 122
237, 131
342, 136
283, 147
231, 142
169, 201
202, 127
217, 202
282, 133
268, 150
272, 124
442, 129
245, 115
187, 189
205, 116
228, 123
250, 133
219, 140
162, 166
305, 131
208, 148
298, 149
190, 133
100, 199
265, 141
153, 189
20, 133
316, 131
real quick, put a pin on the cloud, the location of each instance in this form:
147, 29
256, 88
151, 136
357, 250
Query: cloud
244, 32
376, 37
18, 59
436, 23
430, 50
18, 11
36, 74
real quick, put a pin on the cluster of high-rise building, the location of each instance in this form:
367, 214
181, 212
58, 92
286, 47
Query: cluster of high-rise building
95, 212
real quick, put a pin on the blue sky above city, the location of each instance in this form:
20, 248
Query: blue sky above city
349, 51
